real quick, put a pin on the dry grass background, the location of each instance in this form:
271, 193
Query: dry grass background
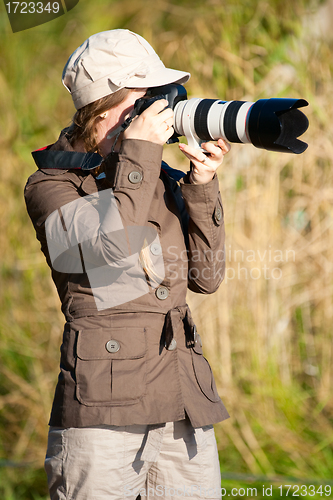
267, 331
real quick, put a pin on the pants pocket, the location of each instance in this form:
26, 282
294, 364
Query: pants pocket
53, 464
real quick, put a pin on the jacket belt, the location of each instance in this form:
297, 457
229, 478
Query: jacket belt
172, 318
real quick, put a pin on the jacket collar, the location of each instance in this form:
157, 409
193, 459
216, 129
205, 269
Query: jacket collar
61, 155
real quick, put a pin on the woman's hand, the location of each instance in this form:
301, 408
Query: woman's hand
205, 166
155, 124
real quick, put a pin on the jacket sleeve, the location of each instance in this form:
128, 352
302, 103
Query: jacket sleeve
133, 175
206, 236
78, 226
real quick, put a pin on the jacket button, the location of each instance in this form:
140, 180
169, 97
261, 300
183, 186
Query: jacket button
155, 249
218, 214
172, 345
162, 292
135, 177
112, 346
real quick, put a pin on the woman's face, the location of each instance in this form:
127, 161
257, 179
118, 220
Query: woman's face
113, 119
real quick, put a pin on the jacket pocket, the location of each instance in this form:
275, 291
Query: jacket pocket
203, 374
111, 366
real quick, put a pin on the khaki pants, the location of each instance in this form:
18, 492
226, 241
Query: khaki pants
168, 461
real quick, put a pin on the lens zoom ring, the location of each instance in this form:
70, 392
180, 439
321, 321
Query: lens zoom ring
201, 119
230, 121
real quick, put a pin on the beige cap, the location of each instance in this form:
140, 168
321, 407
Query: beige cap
112, 60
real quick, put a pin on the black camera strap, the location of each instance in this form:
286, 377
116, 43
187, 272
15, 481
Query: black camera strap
116, 133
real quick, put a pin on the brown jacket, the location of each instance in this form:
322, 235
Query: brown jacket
139, 361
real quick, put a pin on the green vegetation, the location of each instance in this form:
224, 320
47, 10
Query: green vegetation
267, 331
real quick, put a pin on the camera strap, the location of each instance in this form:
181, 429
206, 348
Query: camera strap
116, 133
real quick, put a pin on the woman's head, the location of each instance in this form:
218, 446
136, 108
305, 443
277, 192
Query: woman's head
113, 60
107, 70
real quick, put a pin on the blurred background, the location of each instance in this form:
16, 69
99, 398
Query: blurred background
267, 331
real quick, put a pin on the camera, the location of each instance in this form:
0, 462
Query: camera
272, 124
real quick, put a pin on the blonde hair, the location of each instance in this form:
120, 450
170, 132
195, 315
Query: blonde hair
147, 264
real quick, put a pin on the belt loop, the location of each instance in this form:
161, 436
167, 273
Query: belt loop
153, 444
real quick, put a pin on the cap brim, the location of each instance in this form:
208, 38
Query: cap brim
159, 78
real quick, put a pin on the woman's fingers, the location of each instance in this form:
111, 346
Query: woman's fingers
154, 124
204, 165
217, 150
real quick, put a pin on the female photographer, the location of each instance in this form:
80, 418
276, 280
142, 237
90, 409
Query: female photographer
125, 236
